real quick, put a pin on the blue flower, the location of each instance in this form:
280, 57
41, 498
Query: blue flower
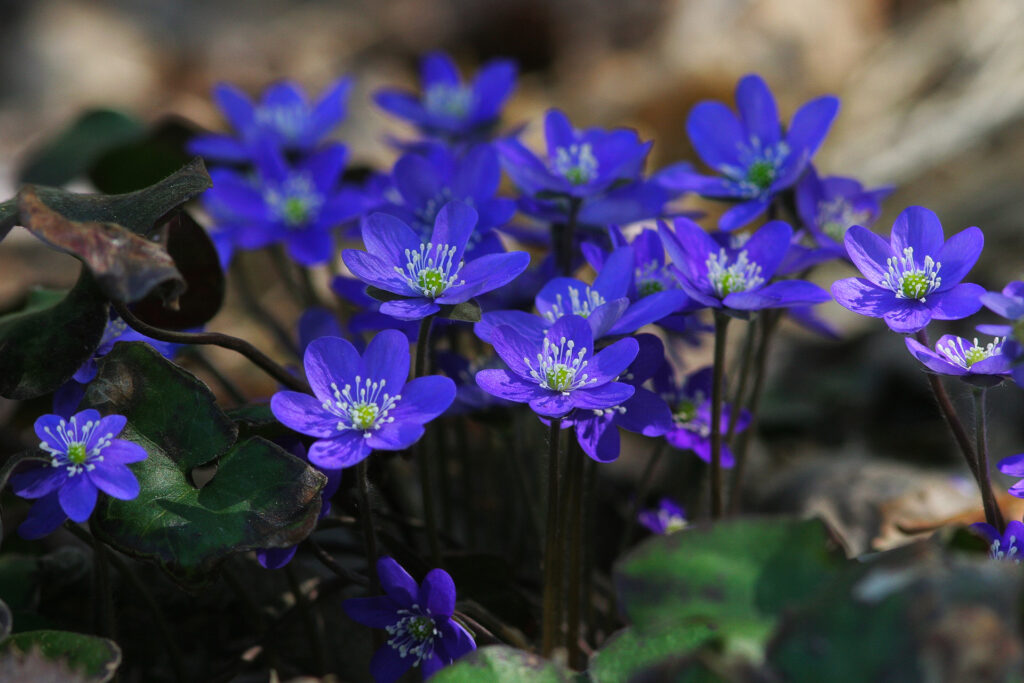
983, 366
1008, 546
691, 413
428, 275
579, 163
469, 397
427, 181
736, 276
624, 203
642, 413
665, 519
754, 158
914, 277
1014, 466
449, 108
418, 620
284, 118
561, 372
298, 206
1009, 304
85, 458
361, 403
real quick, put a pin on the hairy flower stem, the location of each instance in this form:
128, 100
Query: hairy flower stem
551, 619
742, 376
589, 554
768, 322
563, 238
419, 453
369, 533
575, 535
258, 358
993, 515
316, 643
718, 374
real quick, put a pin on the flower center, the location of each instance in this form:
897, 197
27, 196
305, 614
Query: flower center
413, 635
908, 280
447, 99
77, 453
288, 120
741, 276
1009, 553
671, 521
761, 174
837, 215
560, 367
363, 409
959, 352
296, 202
576, 163
651, 278
686, 411
758, 167
582, 306
431, 270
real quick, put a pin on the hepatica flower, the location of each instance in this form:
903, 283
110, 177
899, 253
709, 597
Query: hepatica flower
418, 621
977, 364
691, 414
448, 107
561, 372
829, 206
1014, 466
667, 518
284, 117
428, 275
754, 158
736, 277
85, 458
297, 205
361, 403
1008, 546
916, 276
1009, 304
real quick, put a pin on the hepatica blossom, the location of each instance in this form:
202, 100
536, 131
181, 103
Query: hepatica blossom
829, 206
361, 403
448, 107
736, 277
561, 372
668, 518
85, 458
753, 157
1014, 466
427, 275
418, 621
1009, 304
1007, 546
691, 413
916, 276
971, 361
284, 117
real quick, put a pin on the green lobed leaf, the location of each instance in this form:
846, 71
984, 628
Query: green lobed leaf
736, 576
44, 344
98, 658
502, 664
70, 153
260, 497
628, 653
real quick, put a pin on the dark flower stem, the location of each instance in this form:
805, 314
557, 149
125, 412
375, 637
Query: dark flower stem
551, 622
564, 239
993, 515
742, 376
718, 374
258, 358
589, 554
369, 534
575, 537
420, 453
308, 620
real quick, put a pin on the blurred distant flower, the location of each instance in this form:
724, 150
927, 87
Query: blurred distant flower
1014, 466
1009, 304
691, 413
970, 361
914, 277
665, 519
1007, 546
283, 118
449, 108
418, 620
85, 458
427, 275
753, 156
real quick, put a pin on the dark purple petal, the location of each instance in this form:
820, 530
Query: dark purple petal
424, 398
39, 481
397, 583
329, 109
860, 296
303, 413
124, 452
956, 303
378, 611
575, 328
650, 358
486, 274
401, 104
437, 593
275, 558
741, 214
688, 247
395, 436
437, 68
330, 360
869, 252
344, 450
780, 294
114, 480
649, 309
604, 317
432, 665
78, 497
453, 226
917, 228
909, 317
605, 396
218, 147
455, 640
810, 125
613, 360
715, 134
377, 272
1000, 304
492, 86
525, 324
387, 358
309, 247
680, 178
932, 360
409, 309
387, 666
768, 246
997, 364
757, 110
517, 351
416, 179
325, 166
523, 167
504, 384
388, 238
43, 518
558, 132
46, 428
1012, 465
552, 405
235, 104
615, 276
646, 413
958, 255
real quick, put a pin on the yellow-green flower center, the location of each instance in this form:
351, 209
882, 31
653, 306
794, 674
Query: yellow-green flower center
420, 628
650, 287
915, 285
431, 281
560, 377
761, 174
364, 415
685, 411
77, 453
295, 211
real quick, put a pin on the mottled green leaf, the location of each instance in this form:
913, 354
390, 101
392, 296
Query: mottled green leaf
97, 658
628, 653
70, 154
44, 344
260, 497
502, 664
